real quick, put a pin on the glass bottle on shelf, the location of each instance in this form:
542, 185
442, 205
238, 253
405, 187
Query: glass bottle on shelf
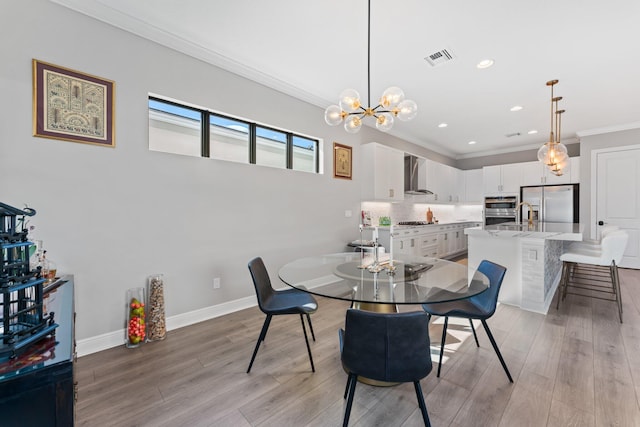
135, 331
156, 323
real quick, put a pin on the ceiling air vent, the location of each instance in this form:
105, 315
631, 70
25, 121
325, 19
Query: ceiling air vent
440, 57
509, 135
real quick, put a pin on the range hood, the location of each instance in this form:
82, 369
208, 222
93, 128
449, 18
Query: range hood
411, 174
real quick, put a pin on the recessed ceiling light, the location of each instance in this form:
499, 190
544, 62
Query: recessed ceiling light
443, 125
471, 142
532, 131
485, 63
516, 108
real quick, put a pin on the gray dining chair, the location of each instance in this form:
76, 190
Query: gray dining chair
479, 307
273, 303
387, 347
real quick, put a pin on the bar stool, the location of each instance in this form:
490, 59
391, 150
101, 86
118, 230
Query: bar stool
590, 244
593, 272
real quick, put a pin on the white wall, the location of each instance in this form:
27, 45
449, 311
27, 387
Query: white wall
113, 216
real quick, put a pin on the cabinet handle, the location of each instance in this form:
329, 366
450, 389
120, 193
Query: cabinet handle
391, 192
412, 243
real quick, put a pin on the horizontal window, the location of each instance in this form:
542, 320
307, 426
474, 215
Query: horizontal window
180, 129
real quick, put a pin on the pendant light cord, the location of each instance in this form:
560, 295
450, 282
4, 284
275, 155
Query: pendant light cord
369, 55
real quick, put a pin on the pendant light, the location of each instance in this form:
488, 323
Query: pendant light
553, 152
391, 104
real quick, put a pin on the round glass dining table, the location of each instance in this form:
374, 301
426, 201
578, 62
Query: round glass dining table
411, 280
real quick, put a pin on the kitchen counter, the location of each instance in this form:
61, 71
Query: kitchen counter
537, 230
531, 255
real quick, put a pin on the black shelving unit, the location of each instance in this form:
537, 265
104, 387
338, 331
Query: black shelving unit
21, 289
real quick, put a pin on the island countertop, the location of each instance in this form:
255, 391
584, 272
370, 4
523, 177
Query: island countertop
537, 230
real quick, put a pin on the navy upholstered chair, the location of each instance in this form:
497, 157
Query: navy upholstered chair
273, 303
388, 347
479, 307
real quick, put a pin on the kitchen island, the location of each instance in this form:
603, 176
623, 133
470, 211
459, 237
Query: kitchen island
531, 254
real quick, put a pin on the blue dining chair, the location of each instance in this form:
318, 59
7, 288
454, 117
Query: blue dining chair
479, 307
272, 303
388, 347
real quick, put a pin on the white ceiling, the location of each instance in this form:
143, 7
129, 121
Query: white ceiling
314, 50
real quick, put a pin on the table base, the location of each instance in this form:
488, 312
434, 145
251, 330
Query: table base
375, 307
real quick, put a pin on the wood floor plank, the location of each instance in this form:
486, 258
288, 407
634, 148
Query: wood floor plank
574, 383
530, 401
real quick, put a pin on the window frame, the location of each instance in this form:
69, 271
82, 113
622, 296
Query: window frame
205, 134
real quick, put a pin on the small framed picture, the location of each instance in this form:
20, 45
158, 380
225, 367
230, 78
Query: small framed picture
341, 161
72, 106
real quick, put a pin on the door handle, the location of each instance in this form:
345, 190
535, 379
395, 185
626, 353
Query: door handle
600, 222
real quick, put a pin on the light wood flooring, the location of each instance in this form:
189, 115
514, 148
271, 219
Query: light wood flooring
577, 366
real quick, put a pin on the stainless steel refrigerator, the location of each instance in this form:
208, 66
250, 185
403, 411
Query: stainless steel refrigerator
551, 203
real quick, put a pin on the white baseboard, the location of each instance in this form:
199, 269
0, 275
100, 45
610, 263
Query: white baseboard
113, 339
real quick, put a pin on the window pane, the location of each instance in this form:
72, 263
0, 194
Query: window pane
304, 154
229, 139
174, 129
271, 147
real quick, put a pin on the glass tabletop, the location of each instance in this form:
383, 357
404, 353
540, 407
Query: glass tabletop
415, 280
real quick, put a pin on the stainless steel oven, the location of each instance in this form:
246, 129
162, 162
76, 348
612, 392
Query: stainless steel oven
499, 209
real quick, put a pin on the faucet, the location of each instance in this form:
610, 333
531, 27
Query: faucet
530, 212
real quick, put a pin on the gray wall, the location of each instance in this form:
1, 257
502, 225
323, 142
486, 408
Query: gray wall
573, 148
113, 216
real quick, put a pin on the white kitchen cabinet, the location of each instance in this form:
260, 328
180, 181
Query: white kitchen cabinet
473, 186
502, 179
446, 182
537, 173
382, 173
575, 170
428, 244
407, 241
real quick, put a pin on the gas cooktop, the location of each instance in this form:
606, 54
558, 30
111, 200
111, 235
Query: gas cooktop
414, 223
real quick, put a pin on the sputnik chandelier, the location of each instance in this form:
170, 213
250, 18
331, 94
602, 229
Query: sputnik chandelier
554, 153
391, 104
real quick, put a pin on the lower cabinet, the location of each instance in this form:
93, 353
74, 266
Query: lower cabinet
432, 241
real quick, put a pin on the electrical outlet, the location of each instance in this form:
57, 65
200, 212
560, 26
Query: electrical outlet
216, 283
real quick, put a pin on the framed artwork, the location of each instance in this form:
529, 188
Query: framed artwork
72, 106
341, 161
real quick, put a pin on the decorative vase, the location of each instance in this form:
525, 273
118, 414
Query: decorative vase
156, 323
135, 331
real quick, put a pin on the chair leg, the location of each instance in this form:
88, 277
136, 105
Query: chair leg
474, 332
306, 340
444, 338
564, 277
495, 347
423, 407
346, 389
615, 281
311, 327
353, 379
263, 334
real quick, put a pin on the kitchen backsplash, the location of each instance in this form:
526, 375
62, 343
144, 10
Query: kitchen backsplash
417, 212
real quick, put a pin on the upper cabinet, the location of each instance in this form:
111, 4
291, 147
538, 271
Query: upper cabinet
536, 173
382, 173
575, 170
446, 182
473, 186
502, 179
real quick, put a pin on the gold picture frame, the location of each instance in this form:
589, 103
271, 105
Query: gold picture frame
72, 106
342, 161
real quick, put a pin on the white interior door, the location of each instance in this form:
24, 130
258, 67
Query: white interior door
618, 196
